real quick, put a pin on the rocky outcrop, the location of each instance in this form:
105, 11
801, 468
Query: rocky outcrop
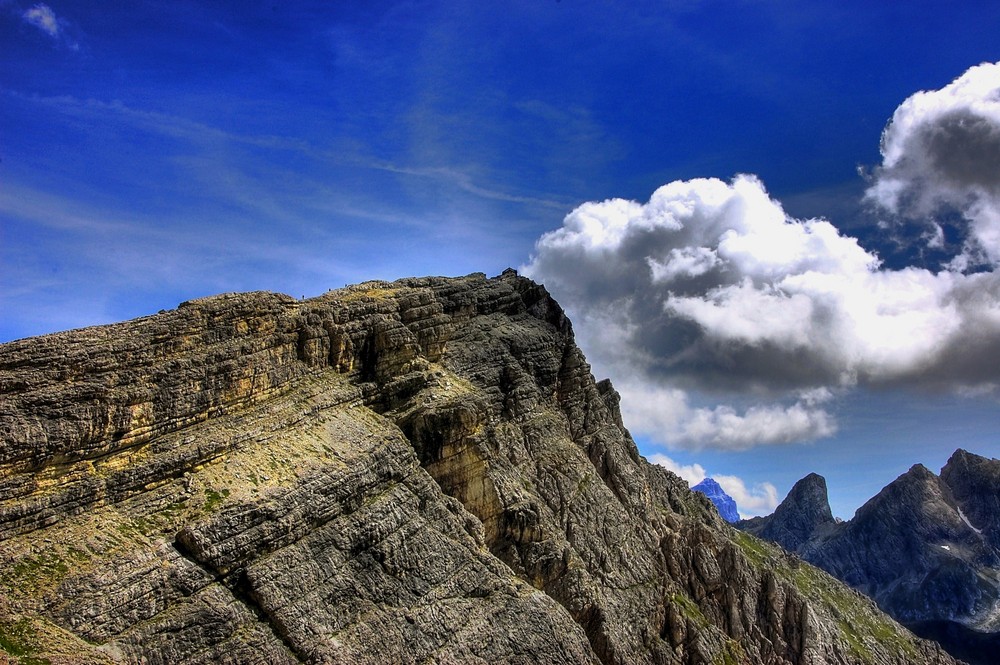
417, 471
925, 548
722, 501
803, 514
974, 482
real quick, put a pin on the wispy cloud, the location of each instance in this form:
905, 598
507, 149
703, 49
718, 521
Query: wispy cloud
42, 17
179, 127
465, 182
217, 210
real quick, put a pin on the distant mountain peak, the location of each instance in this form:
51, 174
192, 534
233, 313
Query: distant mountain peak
812, 489
926, 548
723, 502
798, 516
974, 482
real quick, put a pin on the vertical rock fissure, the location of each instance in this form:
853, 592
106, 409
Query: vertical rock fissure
236, 583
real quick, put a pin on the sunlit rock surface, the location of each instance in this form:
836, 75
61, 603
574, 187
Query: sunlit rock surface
419, 471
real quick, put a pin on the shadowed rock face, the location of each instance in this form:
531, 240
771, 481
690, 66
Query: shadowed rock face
925, 548
974, 482
417, 471
803, 513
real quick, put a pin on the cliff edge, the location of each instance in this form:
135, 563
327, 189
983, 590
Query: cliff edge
416, 471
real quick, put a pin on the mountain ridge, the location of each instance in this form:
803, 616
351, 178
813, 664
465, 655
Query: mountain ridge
914, 547
416, 471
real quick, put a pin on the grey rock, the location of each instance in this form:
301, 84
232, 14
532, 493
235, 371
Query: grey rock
925, 548
416, 471
803, 514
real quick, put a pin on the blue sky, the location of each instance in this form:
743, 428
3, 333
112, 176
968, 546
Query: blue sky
151, 152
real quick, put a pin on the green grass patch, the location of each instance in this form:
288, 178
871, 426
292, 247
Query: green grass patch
755, 550
689, 609
376, 294
859, 624
45, 570
733, 654
213, 499
19, 639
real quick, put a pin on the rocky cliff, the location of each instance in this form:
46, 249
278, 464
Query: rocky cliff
802, 516
925, 548
417, 471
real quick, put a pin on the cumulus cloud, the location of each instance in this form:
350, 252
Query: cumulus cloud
692, 473
727, 323
941, 154
761, 499
669, 414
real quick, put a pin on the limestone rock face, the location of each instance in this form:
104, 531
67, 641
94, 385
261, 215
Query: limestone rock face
417, 471
974, 482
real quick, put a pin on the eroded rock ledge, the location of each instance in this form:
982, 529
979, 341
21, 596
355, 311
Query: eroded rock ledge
417, 471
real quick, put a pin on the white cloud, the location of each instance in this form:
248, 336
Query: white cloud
761, 499
684, 261
692, 473
667, 415
722, 319
42, 17
940, 153
723, 427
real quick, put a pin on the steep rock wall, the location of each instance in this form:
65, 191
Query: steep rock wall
415, 471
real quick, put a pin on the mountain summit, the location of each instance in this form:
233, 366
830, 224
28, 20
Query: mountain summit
925, 548
802, 514
723, 502
421, 471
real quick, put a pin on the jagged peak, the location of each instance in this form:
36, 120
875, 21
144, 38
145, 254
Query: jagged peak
963, 459
809, 493
809, 485
724, 503
708, 484
974, 482
918, 477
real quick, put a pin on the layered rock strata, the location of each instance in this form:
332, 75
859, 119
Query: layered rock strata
417, 471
